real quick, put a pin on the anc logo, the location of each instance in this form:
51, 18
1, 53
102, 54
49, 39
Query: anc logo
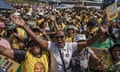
39, 67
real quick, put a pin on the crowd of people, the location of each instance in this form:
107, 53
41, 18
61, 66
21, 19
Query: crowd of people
45, 39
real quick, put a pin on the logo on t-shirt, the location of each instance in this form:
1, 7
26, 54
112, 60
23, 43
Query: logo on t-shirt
39, 67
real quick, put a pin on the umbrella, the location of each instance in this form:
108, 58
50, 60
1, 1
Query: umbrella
5, 6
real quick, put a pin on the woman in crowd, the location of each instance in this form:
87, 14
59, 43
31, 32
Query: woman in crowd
61, 50
103, 42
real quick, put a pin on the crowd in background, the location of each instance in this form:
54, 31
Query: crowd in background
79, 24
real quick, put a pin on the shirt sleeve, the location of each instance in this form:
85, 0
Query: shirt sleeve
19, 55
74, 46
49, 44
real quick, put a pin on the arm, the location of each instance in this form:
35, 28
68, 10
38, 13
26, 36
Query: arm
19, 37
56, 26
20, 22
43, 43
84, 44
17, 55
7, 52
55, 23
45, 35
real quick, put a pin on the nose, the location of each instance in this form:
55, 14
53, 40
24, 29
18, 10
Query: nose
58, 38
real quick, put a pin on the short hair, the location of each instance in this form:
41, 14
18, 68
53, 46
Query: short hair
59, 31
31, 43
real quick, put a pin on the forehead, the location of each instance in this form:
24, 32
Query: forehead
117, 48
59, 33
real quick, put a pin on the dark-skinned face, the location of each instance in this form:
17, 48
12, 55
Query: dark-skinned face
70, 32
35, 49
60, 39
116, 53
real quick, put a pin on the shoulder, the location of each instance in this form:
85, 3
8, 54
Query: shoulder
19, 55
45, 52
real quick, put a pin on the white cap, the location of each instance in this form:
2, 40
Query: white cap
80, 37
72, 27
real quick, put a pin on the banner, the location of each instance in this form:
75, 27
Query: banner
103, 54
8, 65
111, 11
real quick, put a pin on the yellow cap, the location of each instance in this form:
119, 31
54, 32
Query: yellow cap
40, 21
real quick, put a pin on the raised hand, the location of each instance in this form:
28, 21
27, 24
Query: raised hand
104, 29
18, 20
101, 65
53, 18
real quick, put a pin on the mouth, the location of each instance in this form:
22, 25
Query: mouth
117, 57
60, 44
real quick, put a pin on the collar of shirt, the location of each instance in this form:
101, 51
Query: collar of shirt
65, 47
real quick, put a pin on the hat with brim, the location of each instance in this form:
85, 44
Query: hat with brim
72, 27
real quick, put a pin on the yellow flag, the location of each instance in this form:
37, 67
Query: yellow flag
111, 11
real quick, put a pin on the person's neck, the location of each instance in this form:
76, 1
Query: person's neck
38, 56
70, 35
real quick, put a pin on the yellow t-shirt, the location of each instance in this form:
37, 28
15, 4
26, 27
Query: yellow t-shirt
94, 30
2, 33
99, 20
63, 26
69, 39
34, 64
15, 42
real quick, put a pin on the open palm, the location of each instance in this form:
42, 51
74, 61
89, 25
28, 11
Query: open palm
18, 20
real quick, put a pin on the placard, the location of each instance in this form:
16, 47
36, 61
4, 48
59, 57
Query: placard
111, 11
8, 65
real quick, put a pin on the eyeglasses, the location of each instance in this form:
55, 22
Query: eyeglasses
57, 37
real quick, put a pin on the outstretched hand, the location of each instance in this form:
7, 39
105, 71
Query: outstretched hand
18, 20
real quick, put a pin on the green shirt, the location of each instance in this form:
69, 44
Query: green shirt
118, 38
114, 67
106, 44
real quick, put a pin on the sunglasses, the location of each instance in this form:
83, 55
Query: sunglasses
57, 37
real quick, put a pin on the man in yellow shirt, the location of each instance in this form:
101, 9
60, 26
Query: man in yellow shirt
33, 60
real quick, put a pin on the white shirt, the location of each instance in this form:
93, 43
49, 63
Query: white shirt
67, 51
84, 57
